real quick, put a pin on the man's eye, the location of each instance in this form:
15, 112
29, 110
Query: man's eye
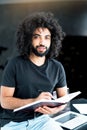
35, 36
47, 37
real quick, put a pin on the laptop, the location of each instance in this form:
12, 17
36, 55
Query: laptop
71, 120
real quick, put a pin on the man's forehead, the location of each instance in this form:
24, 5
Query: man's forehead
40, 30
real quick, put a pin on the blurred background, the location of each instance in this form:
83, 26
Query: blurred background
72, 16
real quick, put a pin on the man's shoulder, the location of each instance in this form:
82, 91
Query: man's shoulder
12, 61
15, 58
55, 62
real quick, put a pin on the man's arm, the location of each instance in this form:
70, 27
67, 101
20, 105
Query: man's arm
10, 102
62, 91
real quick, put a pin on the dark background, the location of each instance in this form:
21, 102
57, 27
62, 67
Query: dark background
72, 16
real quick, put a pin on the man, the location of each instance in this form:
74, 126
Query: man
34, 74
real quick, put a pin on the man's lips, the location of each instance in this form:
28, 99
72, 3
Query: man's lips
41, 48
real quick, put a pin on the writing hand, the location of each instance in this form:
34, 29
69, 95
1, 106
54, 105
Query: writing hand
45, 95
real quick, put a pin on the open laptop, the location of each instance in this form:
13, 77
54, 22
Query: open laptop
71, 120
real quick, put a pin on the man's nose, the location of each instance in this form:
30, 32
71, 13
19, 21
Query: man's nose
41, 41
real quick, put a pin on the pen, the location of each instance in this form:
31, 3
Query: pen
53, 98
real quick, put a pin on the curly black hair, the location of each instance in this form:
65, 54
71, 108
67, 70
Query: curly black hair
30, 24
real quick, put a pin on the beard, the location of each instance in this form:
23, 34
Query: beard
40, 54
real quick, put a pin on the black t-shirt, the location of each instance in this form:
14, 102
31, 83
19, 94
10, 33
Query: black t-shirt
28, 79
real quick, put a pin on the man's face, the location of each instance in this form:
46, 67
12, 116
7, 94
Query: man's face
41, 41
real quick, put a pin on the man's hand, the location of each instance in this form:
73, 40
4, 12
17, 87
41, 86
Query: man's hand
48, 110
44, 95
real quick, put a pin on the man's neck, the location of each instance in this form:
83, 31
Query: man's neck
37, 60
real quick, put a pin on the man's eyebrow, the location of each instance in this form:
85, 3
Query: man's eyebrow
40, 34
48, 35
36, 34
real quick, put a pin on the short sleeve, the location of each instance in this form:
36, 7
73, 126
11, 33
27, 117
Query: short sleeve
61, 77
8, 77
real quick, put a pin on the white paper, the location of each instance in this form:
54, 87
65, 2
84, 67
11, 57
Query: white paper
82, 108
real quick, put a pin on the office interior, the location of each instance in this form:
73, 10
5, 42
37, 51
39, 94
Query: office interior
72, 16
